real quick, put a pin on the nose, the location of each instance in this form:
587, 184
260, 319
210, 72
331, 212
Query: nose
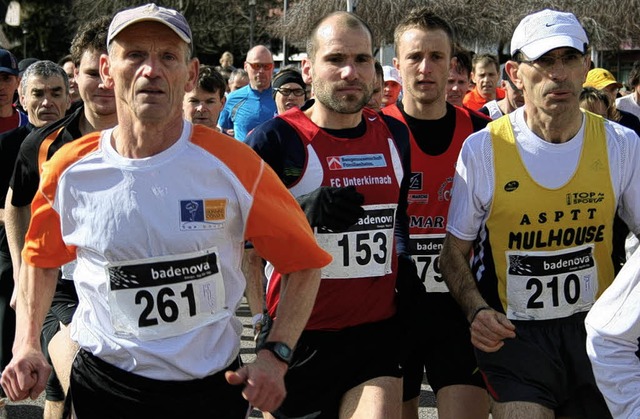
424, 66
558, 71
150, 66
349, 71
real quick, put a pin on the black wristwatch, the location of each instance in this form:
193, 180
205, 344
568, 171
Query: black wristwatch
281, 350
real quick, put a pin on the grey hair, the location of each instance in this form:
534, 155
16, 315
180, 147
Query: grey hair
46, 69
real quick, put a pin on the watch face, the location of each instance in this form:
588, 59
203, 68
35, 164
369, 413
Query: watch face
283, 350
280, 350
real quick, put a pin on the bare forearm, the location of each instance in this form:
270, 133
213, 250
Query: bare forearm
297, 297
35, 293
454, 264
16, 225
252, 269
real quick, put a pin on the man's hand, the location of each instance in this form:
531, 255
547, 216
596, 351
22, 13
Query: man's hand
263, 381
488, 330
334, 208
26, 375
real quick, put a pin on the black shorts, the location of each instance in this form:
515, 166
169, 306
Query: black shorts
63, 306
444, 349
546, 363
102, 391
327, 364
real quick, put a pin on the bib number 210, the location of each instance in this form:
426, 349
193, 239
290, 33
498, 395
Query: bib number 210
569, 291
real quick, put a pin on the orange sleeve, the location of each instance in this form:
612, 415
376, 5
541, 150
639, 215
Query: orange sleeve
44, 247
276, 225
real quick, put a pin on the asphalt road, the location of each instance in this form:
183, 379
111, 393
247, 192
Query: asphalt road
33, 409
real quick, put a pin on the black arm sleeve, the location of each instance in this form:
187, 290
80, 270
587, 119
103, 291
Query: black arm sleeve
400, 134
10, 142
279, 145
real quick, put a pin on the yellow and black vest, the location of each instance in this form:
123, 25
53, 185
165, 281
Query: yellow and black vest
546, 253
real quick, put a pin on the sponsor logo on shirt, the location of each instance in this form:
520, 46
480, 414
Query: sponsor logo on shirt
356, 161
576, 198
415, 182
511, 186
202, 214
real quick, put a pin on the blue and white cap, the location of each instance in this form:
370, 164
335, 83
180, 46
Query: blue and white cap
540, 32
150, 12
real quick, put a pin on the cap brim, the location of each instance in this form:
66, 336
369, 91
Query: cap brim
538, 48
9, 71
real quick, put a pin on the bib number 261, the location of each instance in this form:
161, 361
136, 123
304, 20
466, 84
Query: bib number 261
164, 301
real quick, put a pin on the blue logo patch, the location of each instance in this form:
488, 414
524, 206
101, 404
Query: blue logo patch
202, 214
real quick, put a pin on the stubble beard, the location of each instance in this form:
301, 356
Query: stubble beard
347, 104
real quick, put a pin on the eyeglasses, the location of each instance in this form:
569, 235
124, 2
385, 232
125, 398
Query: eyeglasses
548, 62
263, 66
287, 92
513, 86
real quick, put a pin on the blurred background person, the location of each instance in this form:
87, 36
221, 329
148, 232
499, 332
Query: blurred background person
631, 102
375, 102
289, 90
392, 86
226, 61
485, 73
458, 83
203, 104
596, 101
512, 100
602, 79
238, 78
253, 104
69, 67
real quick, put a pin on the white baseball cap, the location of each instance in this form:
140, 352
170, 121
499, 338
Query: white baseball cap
150, 12
391, 74
540, 32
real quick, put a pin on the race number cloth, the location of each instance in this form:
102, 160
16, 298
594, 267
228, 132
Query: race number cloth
160, 297
429, 197
551, 247
364, 250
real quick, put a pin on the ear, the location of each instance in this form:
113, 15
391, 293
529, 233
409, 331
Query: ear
193, 69
512, 67
22, 100
105, 71
396, 63
453, 63
306, 71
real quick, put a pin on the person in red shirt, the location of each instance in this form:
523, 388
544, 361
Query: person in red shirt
10, 117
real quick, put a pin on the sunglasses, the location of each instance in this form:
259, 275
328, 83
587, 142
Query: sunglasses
258, 66
287, 92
